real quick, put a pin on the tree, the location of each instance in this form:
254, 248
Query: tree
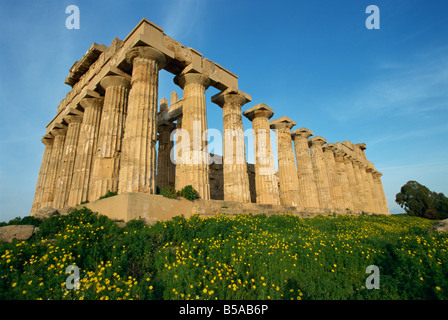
417, 200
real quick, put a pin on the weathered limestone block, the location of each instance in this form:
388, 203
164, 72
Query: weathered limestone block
45, 212
308, 195
87, 141
287, 171
333, 178
166, 169
64, 179
53, 166
343, 177
440, 226
265, 180
192, 168
109, 144
138, 159
320, 171
48, 142
236, 180
18, 232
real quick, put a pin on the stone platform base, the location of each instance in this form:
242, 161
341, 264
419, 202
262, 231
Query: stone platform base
152, 208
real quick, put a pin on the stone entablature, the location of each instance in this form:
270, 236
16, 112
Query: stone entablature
103, 137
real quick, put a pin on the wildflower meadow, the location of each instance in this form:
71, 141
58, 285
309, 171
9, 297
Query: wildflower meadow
244, 257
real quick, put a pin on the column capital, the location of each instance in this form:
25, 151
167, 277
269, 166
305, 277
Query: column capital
191, 77
164, 124
58, 131
316, 141
361, 146
87, 103
115, 81
47, 141
361, 164
259, 110
282, 123
329, 147
340, 154
146, 52
376, 173
232, 96
71, 118
302, 132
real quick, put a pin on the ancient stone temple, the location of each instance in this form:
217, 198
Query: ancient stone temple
112, 133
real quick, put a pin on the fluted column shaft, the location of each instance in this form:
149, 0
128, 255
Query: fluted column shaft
138, 159
106, 162
364, 205
308, 195
236, 179
266, 184
287, 171
53, 167
193, 170
87, 141
337, 198
343, 177
65, 174
377, 179
374, 191
367, 189
165, 167
354, 190
320, 172
44, 167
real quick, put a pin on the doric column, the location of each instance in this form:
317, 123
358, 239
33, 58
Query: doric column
343, 177
367, 189
65, 171
308, 195
138, 158
377, 179
364, 205
373, 189
109, 144
354, 190
193, 169
44, 167
337, 197
53, 166
236, 179
87, 141
265, 181
287, 171
165, 167
320, 171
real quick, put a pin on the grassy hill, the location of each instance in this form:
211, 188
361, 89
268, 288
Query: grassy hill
242, 257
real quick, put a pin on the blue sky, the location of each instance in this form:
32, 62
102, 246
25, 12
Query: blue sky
314, 61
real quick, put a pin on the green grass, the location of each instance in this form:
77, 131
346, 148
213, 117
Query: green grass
242, 257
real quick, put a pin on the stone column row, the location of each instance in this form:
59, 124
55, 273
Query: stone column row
111, 147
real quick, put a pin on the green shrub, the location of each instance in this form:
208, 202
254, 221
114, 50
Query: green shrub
22, 221
108, 194
169, 192
189, 193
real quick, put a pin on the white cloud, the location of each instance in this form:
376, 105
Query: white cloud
182, 17
413, 87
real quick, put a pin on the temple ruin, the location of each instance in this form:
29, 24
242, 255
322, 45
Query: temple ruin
105, 132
